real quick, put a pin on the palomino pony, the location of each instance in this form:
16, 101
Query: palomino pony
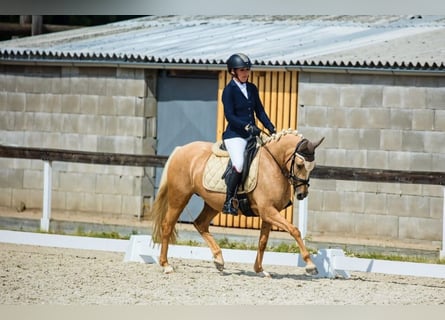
285, 162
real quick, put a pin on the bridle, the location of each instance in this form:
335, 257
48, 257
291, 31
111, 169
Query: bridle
295, 181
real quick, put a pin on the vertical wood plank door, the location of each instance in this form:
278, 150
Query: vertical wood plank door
279, 93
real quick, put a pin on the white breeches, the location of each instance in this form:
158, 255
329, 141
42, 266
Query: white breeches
236, 147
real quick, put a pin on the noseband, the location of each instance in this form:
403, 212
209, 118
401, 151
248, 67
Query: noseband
290, 175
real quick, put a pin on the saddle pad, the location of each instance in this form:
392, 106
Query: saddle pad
214, 169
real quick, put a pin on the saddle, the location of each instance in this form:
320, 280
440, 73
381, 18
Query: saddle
219, 164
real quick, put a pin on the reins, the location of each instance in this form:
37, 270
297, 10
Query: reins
290, 174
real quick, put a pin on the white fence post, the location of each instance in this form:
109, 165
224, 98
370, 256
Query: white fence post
47, 186
442, 252
302, 217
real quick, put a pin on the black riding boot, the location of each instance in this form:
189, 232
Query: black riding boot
232, 179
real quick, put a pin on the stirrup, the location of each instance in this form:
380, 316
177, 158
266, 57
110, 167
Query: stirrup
228, 207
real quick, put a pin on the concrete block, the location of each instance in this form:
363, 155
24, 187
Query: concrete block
351, 96
357, 118
392, 97
105, 184
348, 139
56, 86
372, 96
111, 126
52, 102
7, 120
99, 85
78, 182
332, 201
413, 141
74, 201
391, 139
33, 102
111, 203
7, 82
378, 118
377, 159
355, 158
126, 106
5, 196
3, 96
145, 145
42, 85
150, 107
335, 157
329, 96
11, 178
131, 126
369, 139
108, 105
439, 120
12, 137
91, 202
438, 162
353, 202
433, 142
71, 103
375, 203
408, 206
421, 162
71, 123
346, 186
64, 86
131, 205
125, 185
79, 85
337, 117
41, 122
415, 228
435, 98
401, 119
315, 116
376, 226
33, 179
399, 161
436, 208
58, 199
307, 94
414, 98
135, 88
423, 119
15, 101
89, 104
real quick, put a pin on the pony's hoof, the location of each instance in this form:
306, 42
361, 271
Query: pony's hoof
312, 270
168, 269
219, 265
265, 274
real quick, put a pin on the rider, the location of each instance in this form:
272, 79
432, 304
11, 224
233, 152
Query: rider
241, 103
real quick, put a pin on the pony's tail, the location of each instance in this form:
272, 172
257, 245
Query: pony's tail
160, 206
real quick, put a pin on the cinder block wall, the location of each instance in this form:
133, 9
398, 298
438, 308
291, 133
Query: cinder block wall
78, 108
375, 121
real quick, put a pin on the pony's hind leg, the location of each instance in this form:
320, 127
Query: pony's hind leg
202, 224
168, 229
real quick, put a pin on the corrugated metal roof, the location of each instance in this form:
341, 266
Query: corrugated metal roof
281, 41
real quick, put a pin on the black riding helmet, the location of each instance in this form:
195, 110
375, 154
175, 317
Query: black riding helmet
237, 61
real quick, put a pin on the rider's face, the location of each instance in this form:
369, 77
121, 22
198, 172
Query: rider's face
243, 74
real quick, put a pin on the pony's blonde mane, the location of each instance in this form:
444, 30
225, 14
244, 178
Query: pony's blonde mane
277, 136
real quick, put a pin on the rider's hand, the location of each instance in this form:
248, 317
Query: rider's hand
253, 129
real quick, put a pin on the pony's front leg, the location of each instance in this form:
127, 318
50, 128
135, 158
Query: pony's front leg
275, 218
262, 244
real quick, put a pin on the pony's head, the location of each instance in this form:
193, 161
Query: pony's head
302, 162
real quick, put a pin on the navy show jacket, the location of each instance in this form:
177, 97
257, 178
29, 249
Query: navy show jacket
240, 111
